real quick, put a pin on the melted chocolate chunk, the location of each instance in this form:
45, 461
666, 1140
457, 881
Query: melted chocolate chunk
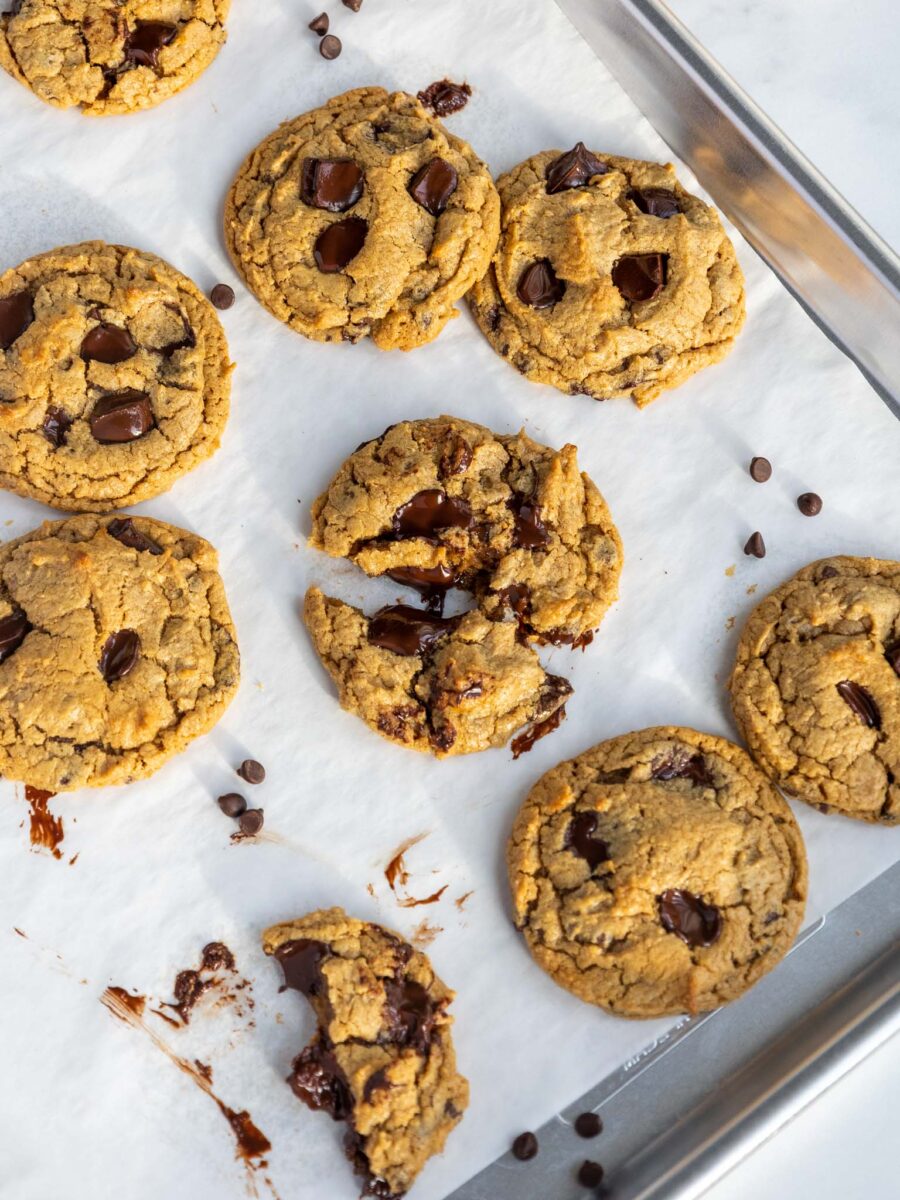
681, 764
16, 314
377, 1082
330, 46
525, 741
525, 1147
640, 276
252, 771
120, 655
579, 838
688, 917
575, 168
538, 285
339, 244
56, 426
456, 457
319, 1082
319, 24
755, 545
144, 42
107, 343
444, 97
121, 417
331, 183
655, 201
410, 1013
232, 804
433, 185
588, 1125
222, 296
14, 628
426, 580
861, 701
428, 512
891, 653
590, 1174
301, 961
405, 630
529, 532
760, 469
809, 504
124, 530
187, 342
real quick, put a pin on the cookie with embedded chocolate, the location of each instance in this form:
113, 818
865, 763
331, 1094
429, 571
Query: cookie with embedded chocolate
116, 650
609, 279
816, 687
382, 1058
110, 58
363, 218
114, 377
657, 873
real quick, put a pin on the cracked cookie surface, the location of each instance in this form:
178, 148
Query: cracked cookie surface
382, 1059
114, 377
364, 217
816, 686
116, 650
110, 58
657, 873
609, 279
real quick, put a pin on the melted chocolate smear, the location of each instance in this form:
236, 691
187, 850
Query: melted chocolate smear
16, 314
108, 344
656, 202
861, 701
561, 637
334, 184
144, 42
640, 276
134, 1004
124, 530
680, 764
317, 1080
45, 830
428, 512
579, 838
538, 285
338, 244
410, 1013
121, 417
378, 1081
688, 917
530, 532
405, 630
573, 169
56, 426
432, 186
14, 628
301, 961
444, 97
120, 655
525, 741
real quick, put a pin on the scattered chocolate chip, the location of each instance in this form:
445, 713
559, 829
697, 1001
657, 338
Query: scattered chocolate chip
579, 838
655, 202
433, 185
892, 654
330, 46
688, 917
809, 504
124, 530
251, 822
301, 961
539, 286
14, 628
334, 184
144, 42
590, 1174
525, 1147
430, 511
755, 545
339, 244
107, 343
232, 804
588, 1125
16, 314
640, 276
252, 771
353, 5
529, 530
760, 469
119, 655
573, 169
121, 417
681, 764
56, 425
861, 701
222, 296
444, 97
405, 630
216, 957
319, 24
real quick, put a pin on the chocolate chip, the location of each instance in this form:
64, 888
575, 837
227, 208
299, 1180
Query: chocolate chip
222, 296
640, 276
828, 572
430, 511
861, 701
16, 314
14, 628
681, 764
144, 42
525, 1147
108, 344
339, 244
892, 654
405, 630
251, 822
444, 97
252, 771
353, 5
688, 917
655, 202
456, 457
56, 425
319, 24
124, 530
588, 1125
232, 804
755, 545
538, 285
573, 169
760, 469
590, 1174
119, 655
301, 960
330, 46
334, 184
529, 531
433, 185
809, 504
121, 417
579, 838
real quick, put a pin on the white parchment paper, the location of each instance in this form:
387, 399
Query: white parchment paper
89, 1107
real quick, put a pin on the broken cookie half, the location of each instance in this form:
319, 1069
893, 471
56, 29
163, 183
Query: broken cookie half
382, 1059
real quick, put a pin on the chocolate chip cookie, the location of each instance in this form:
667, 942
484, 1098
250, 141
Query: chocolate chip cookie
363, 218
815, 688
657, 873
109, 58
382, 1058
116, 650
609, 279
114, 377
